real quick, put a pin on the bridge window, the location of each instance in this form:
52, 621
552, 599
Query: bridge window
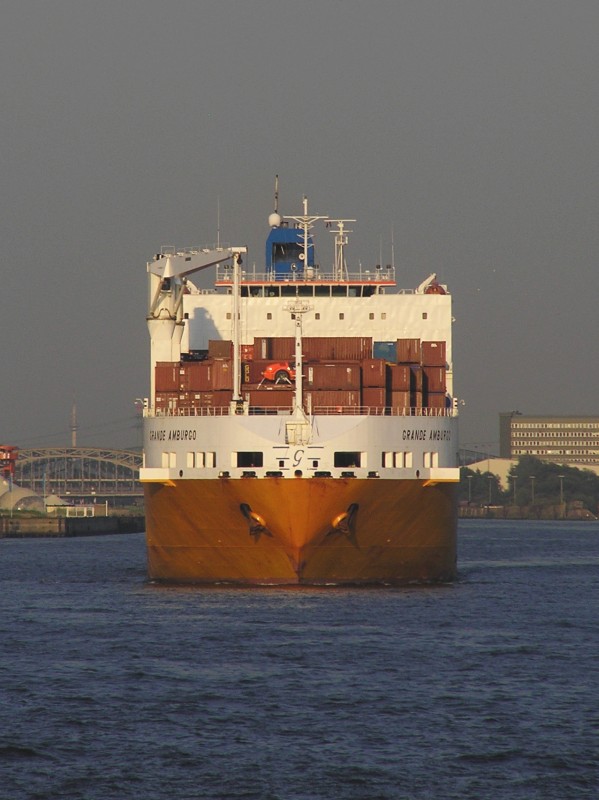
248, 459
322, 291
348, 459
339, 291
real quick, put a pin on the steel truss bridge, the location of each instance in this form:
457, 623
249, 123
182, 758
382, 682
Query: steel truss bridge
80, 472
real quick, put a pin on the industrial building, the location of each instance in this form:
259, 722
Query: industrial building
572, 440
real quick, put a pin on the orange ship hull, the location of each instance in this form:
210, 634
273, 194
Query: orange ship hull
312, 531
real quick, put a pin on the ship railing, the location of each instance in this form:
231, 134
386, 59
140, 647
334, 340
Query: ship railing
224, 274
364, 411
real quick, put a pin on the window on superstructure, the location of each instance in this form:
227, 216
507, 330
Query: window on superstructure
317, 315
305, 291
250, 459
348, 459
269, 315
228, 315
383, 315
371, 315
424, 315
339, 291
322, 291
342, 316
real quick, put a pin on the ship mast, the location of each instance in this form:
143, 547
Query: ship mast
306, 223
341, 239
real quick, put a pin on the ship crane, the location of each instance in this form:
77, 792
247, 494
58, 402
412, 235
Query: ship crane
168, 274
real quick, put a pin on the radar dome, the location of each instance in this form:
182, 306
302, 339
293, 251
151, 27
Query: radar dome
274, 220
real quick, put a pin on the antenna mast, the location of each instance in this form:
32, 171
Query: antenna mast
306, 223
341, 239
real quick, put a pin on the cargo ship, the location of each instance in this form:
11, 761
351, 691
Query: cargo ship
301, 427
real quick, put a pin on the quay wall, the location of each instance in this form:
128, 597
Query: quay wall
21, 527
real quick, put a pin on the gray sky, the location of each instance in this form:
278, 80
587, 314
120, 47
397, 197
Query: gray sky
467, 127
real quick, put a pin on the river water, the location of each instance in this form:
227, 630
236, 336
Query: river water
112, 687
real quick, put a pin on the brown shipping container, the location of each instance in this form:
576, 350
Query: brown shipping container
408, 351
282, 348
170, 376
417, 377
437, 400
166, 401
435, 378
417, 399
221, 375
332, 376
374, 397
433, 354
269, 398
374, 372
220, 348
262, 347
332, 399
336, 348
199, 375
400, 399
399, 377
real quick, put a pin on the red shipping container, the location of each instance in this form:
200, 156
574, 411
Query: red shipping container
332, 376
417, 399
332, 400
170, 376
282, 348
374, 397
400, 399
408, 351
336, 348
434, 354
437, 400
221, 375
417, 384
199, 375
399, 377
269, 398
246, 352
262, 347
374, 372
435, 378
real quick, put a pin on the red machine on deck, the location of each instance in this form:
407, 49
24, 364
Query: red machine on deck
8, 457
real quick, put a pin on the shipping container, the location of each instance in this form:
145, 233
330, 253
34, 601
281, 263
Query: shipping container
408, 351
221, 375
417, 384
246, 352
433, 354
336, 348
385, 350
437, 400
220, 348
262, 348
269, 398
374, 372
374, 397
399, 377
332, 376
435, 378
282, 348
400, 399
169, 376
199, 376
331, 400
418, 399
